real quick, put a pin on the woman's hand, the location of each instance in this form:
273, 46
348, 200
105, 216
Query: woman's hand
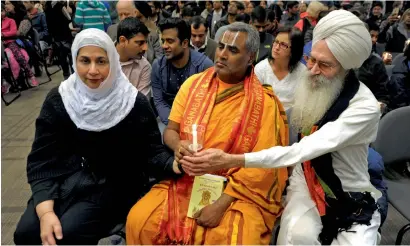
50, 226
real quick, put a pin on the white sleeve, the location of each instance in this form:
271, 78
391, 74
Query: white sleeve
259, 72
356, 125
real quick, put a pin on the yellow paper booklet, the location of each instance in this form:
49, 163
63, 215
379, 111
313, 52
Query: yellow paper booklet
205, 191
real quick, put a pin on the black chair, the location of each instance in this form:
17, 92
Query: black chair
389, 70
398, 59
35, 39
393, 145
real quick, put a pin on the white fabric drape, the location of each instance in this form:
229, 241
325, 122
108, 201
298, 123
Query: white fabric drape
104, 107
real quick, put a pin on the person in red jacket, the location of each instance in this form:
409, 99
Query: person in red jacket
8, 31
309, 18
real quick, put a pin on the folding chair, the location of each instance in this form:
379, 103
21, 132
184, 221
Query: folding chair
392, 143
36, 42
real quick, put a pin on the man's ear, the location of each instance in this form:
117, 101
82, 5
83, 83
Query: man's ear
252, 58
185, 43
122, 40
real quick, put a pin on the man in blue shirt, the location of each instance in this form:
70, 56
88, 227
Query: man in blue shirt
179, 62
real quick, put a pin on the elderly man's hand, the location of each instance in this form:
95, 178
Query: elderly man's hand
209, 161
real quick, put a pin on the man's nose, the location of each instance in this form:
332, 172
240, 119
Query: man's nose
314, 70
145, 47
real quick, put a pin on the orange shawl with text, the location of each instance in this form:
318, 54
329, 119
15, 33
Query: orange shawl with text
175, 226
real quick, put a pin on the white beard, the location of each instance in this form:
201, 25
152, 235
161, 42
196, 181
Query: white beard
313, 97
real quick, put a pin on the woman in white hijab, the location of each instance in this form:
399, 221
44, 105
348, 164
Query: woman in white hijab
96, 137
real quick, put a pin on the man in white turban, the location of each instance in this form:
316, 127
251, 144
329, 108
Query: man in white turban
330, 199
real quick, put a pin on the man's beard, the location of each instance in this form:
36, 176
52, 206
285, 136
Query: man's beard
313, 97
177, 56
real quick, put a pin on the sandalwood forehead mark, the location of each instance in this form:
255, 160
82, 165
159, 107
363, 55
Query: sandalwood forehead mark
233, 40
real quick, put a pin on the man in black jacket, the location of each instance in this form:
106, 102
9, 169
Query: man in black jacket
234, 9
373, 72
215, 15
58, 28
259, 21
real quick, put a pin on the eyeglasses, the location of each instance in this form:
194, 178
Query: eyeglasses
282, 45
323, 66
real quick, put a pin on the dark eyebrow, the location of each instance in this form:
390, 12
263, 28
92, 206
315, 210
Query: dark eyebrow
99, 57
230, 46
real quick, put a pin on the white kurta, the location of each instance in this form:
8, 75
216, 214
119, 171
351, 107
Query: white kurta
347, 139
284, 89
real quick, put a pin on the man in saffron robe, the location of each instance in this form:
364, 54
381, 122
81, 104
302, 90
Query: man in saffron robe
238, 115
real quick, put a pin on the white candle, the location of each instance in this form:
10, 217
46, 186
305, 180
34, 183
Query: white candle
194, 138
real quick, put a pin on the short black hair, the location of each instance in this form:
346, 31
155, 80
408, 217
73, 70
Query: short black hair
130, 27
183, 29
245, 18
258, 14
373, 26
143, 8
197, 21
157, 4
377, 3
291, 4
187, 11
297, 42
271, 15
239, 5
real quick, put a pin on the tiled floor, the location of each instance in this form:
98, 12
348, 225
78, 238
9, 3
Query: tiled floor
17, 133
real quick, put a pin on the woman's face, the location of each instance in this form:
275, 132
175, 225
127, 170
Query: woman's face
93, 66
281, 47
180, 4
9, 7
3, 13
303, 8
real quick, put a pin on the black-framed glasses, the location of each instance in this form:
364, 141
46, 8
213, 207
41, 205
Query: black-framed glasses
282, 45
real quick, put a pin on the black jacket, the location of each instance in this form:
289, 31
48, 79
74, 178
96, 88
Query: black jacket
67, 163
374, 75
209, 22
265, 48
395, 38
399, 86
57, 23
222, 22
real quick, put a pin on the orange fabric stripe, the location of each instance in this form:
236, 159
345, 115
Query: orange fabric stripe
242, 139
315, 189
240, 230
230, 229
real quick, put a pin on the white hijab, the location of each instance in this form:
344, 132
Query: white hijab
104, 107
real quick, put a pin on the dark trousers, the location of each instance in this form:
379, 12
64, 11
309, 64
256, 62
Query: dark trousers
64, 48
83, 222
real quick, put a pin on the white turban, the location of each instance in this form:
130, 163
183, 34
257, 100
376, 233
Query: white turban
347, 38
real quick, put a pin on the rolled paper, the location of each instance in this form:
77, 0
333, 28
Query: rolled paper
194, 138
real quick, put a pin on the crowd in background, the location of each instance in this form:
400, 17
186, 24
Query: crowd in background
55, 24
161, 44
